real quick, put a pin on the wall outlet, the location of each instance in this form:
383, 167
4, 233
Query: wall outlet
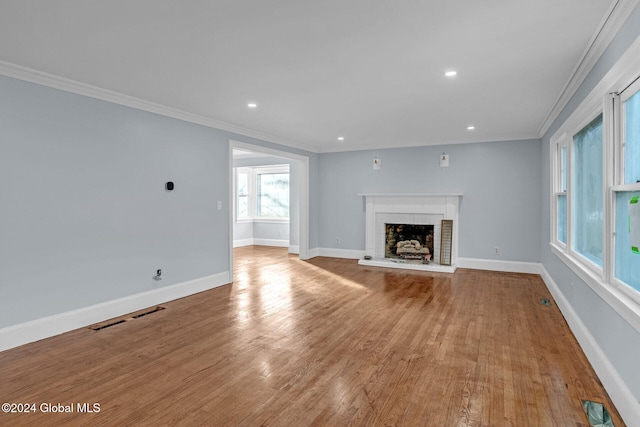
337, 240
496, 250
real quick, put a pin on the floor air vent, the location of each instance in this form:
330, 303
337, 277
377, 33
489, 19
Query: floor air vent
125, 318
597, 414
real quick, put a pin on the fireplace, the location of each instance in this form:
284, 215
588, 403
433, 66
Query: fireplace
420, 216
409, 242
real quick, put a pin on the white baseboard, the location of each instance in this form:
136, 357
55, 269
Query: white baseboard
475, 263
242, 242
622, 397
34, 330
336, 253
294, 249
495, 265
261, 242
271, 242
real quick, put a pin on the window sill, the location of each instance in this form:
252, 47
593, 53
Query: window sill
625, 306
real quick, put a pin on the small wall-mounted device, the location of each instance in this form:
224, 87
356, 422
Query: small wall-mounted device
377, 163
169, 186
158, 274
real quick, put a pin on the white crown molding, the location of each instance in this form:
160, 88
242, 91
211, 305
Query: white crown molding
56, 82
614, 19
426, 143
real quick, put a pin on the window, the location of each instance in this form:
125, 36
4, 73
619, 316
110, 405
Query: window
242, 193
631, 143
273, 195
627, 193
561, 192
595, 188
586, 192
262, 193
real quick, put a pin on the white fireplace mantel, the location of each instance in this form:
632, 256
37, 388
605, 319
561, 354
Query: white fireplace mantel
408, 208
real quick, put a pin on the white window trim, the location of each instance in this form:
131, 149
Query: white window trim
556, 190
250, 183
623, 299
253, 172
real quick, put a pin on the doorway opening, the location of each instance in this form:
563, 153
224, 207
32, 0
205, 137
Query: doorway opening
261, 213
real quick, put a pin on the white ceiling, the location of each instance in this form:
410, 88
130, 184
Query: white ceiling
369, 70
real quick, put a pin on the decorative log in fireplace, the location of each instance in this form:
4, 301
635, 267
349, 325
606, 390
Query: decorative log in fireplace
409, 241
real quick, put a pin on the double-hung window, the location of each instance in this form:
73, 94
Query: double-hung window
560, 196
595, 187
626, 194
587, 192
578, 211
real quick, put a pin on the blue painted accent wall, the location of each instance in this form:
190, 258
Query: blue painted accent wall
617, 339
85, 217
500, 183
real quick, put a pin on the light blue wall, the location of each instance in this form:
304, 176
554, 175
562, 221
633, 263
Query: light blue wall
500, 183
619, 341
84, 215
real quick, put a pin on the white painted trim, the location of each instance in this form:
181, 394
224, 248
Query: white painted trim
495, 265
605, 33
385, 263
303, 223
50, 80
280, 243
417, 208
271, 242
622, 397
619, 301
624, 71
340, 253
294, 249
242, 242
34, 330
473, 263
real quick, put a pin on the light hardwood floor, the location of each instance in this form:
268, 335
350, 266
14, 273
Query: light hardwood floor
323, 342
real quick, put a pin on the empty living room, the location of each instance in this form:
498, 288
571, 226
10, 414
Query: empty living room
320, 213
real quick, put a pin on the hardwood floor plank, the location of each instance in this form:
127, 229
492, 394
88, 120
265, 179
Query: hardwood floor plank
322, 342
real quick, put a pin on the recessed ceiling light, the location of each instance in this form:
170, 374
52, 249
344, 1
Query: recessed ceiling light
451, 73
471, 127
341, 138
252, 105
